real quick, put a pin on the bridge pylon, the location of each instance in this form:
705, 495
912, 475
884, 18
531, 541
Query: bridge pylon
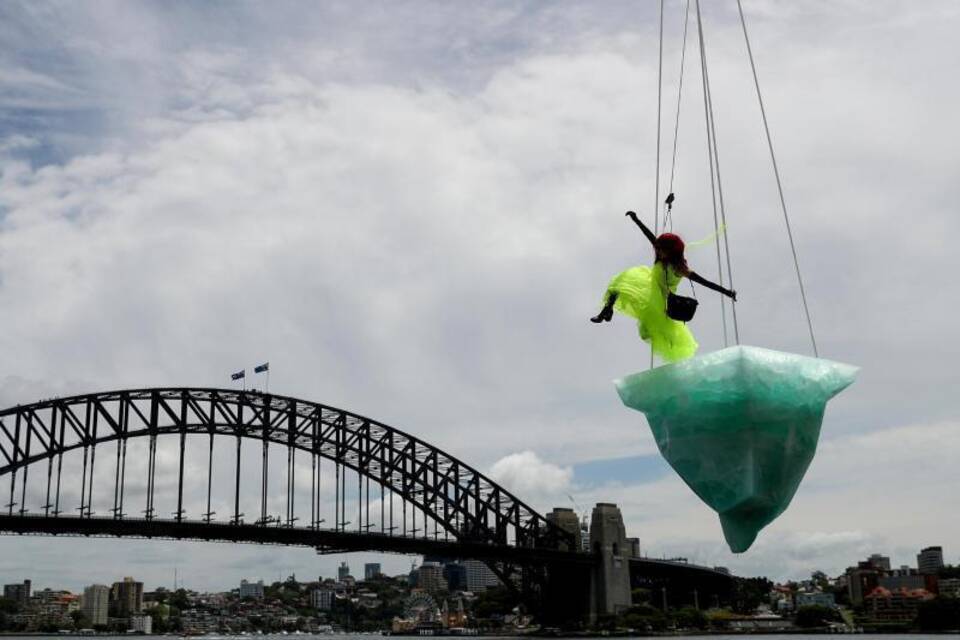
610, 579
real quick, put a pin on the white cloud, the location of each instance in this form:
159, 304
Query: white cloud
525, 474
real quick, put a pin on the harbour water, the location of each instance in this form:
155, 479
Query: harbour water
367, 636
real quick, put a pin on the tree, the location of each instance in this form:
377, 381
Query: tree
750, 593
690, 618
815, 616
644, 618
180, 600
939, 614
80, 621
640, 596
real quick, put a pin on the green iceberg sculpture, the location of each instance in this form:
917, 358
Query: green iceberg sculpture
740, 426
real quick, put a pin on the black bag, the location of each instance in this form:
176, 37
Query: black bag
680, 308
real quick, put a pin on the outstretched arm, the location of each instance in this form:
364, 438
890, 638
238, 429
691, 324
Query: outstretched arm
695, 277
633, 216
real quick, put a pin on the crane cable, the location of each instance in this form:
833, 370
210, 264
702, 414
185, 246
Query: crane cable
668, 215
656, 188
714, 160
776, 173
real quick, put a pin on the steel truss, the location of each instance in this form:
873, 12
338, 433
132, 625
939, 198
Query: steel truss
460, 503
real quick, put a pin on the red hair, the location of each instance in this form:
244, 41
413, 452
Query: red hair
671, 247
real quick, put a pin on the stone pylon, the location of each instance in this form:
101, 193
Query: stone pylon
610, 579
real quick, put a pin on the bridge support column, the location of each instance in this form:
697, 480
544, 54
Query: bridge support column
610, 579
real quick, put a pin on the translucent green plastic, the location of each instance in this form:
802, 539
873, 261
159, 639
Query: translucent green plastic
740, 426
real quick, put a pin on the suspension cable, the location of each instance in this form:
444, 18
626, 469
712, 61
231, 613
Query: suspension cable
656, 188
710, 161
668, 216
776, 173
716, 164
656, 182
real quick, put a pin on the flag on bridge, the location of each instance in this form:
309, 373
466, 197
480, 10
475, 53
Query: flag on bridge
261, 368
239, 375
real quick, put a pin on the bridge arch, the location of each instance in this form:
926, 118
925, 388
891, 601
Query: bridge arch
465, 503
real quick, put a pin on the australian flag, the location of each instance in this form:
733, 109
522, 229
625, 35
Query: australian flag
239, 375
261, 368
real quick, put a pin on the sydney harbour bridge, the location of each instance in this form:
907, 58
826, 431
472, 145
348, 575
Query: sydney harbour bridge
205, 464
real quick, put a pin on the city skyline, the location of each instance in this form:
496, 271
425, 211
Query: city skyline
186, 192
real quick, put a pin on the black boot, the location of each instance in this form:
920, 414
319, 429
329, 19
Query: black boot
606, 314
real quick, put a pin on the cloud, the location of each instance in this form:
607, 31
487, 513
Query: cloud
524, 473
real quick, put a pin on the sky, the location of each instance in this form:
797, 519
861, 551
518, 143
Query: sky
412, 208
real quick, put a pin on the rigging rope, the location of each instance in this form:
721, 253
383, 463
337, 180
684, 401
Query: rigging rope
710, 161
708, 93
668, 216
656, 189
776, 173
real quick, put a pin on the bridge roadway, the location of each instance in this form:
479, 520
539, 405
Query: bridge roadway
324, 540
330, 541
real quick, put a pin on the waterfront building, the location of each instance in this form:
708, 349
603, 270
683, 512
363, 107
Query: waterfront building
479, 576
251, 589
199, 622
899, 580
322, 599
949, 587
816, 599
371, 570
343, 572
930, 560
141, 624
127, 598
19, 593
895, 606
430, 577
96, 604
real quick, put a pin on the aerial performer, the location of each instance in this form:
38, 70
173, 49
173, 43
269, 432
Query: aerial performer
641, 292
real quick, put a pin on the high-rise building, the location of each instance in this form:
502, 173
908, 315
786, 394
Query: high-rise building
879, 562
19, 593
96, 603
861, 580
127, 598
371, 570
321, 599
343, 571
567, 520
456, 576
479, 576
430, 577
930, 560
251, 589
